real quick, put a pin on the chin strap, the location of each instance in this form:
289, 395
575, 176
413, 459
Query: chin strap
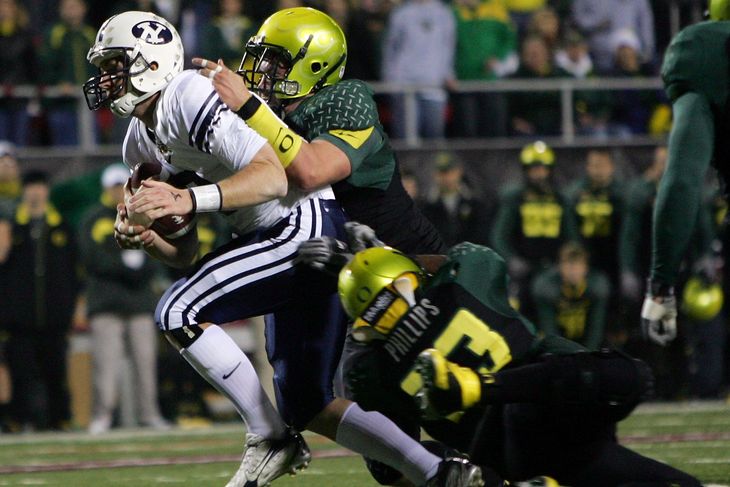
124, 106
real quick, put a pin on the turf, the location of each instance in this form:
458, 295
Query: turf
694, 437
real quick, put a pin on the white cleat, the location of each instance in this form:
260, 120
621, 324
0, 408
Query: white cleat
266, 460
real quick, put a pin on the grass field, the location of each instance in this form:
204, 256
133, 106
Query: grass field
693, 436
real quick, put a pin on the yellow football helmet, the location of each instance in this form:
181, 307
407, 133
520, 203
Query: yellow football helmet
369, 272
701, 300
537, 153
296, 51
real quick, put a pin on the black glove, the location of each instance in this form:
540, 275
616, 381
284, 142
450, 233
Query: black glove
324, 254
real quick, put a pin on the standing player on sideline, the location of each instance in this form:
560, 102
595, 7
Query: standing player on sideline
696, 75
180, 122
295, 64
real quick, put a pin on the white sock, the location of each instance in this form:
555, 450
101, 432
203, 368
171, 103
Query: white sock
215, 355
371, 434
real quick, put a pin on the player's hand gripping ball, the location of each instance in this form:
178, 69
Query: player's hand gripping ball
169, 226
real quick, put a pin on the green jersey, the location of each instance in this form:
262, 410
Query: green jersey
345, 114
696, 74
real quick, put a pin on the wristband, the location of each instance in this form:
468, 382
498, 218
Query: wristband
285, 141
206, 198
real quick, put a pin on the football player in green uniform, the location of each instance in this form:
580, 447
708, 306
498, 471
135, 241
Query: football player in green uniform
295, 64
696, 75
519, 404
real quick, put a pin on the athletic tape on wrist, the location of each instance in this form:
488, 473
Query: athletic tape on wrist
206, 198
258, 116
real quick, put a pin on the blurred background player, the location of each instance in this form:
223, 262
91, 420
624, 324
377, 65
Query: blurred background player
533, 221
37, 299
120, 304
571, 299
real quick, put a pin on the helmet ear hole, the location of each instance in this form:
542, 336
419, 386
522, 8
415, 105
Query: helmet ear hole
316, 67
154, 66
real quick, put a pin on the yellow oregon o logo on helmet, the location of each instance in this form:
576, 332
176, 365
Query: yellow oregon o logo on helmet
368, 273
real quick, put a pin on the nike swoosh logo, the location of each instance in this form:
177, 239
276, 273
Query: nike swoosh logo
232, 371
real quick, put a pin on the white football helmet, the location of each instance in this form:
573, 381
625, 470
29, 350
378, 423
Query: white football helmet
152, 53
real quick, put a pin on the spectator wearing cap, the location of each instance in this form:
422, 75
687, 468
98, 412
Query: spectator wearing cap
18, 59
120, 302
452, 208
37, 299
533, 220
599, 19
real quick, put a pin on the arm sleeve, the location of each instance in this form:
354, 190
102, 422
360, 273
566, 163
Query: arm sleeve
680, 190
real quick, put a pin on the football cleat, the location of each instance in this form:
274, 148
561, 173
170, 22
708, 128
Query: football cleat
266, 460
447, 387
456, 472
541, 481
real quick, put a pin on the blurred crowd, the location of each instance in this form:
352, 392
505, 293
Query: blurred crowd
44, 43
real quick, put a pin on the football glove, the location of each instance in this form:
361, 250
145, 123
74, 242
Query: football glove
361, 237
659, 319
324, 254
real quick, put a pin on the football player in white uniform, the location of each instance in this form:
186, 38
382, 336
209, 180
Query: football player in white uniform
179, 121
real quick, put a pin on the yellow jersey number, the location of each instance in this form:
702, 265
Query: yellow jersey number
467, 331
541, 219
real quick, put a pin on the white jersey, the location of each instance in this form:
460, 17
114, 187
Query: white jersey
195, 131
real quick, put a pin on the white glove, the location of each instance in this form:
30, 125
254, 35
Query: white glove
361, 237
659, 319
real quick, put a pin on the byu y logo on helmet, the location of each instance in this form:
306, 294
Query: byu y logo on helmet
152, 32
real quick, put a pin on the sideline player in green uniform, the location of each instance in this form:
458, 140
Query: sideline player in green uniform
696, 75
519, 404
295, 64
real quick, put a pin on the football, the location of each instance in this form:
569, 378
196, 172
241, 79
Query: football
169, 226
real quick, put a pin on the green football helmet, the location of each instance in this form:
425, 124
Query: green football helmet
719, 9
537, 153
369, 272
701, 300
297, 51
